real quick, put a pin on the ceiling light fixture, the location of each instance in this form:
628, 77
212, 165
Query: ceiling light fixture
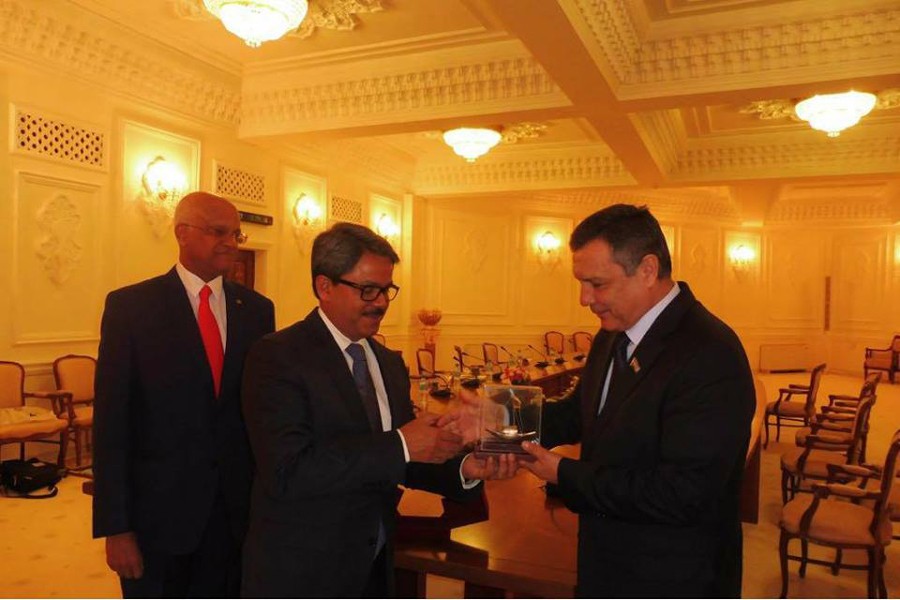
832, 113
258, 21
472, 142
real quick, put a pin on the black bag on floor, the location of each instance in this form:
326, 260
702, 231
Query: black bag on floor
26, 477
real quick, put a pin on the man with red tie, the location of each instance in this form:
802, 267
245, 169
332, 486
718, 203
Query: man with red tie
172, 464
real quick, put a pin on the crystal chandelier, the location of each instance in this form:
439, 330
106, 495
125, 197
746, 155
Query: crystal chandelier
832, 113
258, 21
471, 142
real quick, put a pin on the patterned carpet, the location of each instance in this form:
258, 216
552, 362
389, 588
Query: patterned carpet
46, 549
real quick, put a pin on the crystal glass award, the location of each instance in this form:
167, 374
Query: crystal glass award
510, 415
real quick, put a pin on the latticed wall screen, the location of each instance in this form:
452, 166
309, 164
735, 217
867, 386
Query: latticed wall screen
240, 185
53, 138
345, 209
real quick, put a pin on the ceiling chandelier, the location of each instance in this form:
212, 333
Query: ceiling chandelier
258, 21
471, 142
832, 113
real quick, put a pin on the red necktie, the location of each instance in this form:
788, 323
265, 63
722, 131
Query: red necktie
212, 339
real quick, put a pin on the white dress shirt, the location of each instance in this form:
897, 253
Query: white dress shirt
193, 285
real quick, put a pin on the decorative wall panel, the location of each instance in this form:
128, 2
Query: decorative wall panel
858, 281
56, 260
796, 279
471, 274
547, 283
699, 264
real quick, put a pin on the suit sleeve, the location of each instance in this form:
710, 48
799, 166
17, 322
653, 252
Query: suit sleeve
112, 418
291, 462
704, 431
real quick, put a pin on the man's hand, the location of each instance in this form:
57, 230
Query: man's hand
428, 443
465, 418
502, 466
545, 465
124, 556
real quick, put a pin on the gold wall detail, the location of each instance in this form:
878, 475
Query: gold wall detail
58, 247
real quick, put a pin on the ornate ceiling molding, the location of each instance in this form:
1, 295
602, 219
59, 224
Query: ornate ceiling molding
665, 203
710, 61
830, 209
118, 61
784, 109
449, 90
663, 133
520, 173
871, 154
338, 15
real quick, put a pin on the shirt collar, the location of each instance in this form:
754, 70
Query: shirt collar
637, 331
193, 284
342, 340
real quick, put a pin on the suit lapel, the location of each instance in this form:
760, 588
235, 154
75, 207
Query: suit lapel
186, 332
235, 335
645, 354
393, 386
333, 362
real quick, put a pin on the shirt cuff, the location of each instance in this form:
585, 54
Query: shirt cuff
467, 484
403, 443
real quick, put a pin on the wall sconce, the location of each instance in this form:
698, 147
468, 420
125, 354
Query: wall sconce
741, 257
162, 185
307, 217
306, 211
386, 227
547, 248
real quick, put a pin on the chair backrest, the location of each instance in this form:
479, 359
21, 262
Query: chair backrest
870, 384
895, 344
814, 379
12, 384
860, 429
75, 373
889, 476
581, 341
380, 339
556, 341
491, 353
425, 362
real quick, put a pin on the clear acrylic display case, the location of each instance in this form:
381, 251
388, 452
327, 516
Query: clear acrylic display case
510, 415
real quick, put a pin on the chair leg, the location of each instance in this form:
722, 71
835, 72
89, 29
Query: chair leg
838, 556
766, 421
804, 556
75, 434
879, 574
63, 443
870, 579
782, 555
777, 428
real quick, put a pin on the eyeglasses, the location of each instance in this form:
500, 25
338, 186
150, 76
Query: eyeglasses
221, 232
369, 293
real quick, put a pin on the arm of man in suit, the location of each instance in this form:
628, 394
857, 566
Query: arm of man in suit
706, 418
291, 460
112, 435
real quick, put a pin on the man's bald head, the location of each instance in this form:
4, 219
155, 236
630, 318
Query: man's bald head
207, 227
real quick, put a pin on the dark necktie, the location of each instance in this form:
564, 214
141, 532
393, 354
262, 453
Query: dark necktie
619, 373
363, 380
212, 339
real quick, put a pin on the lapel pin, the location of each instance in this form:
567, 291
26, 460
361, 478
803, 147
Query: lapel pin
239, 302
635, 365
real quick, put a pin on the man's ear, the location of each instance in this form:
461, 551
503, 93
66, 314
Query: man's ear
649, 268
324, 285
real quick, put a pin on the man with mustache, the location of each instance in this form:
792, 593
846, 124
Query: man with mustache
172, 463
332, 429
662, 412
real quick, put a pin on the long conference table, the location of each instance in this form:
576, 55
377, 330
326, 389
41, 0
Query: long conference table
526, 546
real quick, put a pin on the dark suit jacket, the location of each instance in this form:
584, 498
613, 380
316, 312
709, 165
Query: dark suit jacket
163, 444
657, 484
324, 478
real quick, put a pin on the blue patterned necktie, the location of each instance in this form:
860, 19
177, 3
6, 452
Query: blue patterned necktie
363, 380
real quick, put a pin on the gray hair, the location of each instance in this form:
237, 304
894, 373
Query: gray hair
336, 251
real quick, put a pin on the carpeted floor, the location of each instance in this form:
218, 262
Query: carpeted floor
46, 549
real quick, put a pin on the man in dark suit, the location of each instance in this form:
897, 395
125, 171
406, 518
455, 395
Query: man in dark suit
332, 429
662, 411
172, 464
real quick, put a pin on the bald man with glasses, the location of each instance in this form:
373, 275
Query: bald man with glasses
172, 463
333, 433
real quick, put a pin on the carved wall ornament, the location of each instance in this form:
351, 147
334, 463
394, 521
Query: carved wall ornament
58, 247
338, 15
475, 248
699, 258
523, 131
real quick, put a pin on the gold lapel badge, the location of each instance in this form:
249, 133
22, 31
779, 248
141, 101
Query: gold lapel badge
634, 364
238, 301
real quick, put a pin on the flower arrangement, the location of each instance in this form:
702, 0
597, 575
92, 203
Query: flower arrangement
517, 375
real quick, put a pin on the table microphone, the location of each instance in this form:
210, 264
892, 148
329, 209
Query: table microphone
539, 353
511, 355
462, 352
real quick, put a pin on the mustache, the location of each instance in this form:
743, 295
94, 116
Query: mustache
375, 312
